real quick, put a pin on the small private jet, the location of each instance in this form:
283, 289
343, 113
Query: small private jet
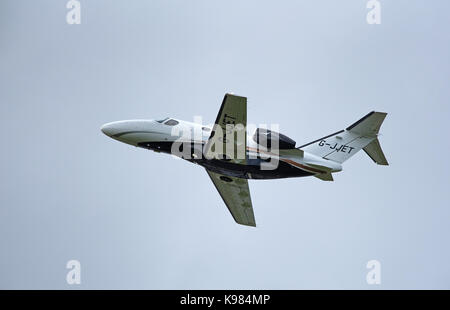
231, 157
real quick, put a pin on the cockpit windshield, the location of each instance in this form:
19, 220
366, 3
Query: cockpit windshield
163, 120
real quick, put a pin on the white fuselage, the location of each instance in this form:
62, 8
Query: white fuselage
159, 136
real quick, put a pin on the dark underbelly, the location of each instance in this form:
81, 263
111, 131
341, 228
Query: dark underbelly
252, 170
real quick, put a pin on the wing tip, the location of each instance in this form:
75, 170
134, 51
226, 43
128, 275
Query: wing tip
247, 224
233, 94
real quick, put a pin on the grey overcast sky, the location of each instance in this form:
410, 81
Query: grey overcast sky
141, 220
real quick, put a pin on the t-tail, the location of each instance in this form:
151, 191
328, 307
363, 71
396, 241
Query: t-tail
343, 144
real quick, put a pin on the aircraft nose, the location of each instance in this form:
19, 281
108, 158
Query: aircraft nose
108, 129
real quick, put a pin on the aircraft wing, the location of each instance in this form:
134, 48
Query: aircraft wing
232, 113
236, 195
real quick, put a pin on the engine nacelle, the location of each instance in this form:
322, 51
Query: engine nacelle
265, 137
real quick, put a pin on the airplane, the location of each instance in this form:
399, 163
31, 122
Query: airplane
266, 154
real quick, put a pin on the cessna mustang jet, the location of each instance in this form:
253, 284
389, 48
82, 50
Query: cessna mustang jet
230, 157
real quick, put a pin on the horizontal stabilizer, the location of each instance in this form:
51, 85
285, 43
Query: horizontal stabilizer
326, 176
373, 149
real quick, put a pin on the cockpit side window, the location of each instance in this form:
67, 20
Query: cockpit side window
171, 122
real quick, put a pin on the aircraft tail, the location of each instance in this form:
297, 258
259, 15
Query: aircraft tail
342, 145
